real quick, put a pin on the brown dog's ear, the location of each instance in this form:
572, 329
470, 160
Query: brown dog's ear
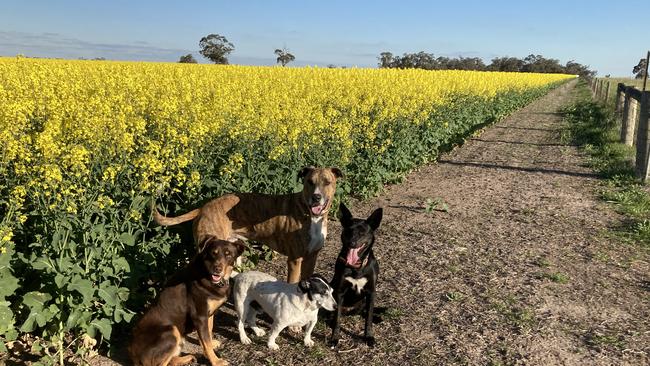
204, 243
337, 172
304, 171
375, 218
345, 215
240, 245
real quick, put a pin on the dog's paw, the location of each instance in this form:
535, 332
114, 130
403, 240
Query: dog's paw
333, 342
245, 340
258, 331
216, 343
309, 342
184, 360
273, 346
370, 341
295, 329
220, 362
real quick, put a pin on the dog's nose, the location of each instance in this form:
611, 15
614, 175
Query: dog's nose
316, 197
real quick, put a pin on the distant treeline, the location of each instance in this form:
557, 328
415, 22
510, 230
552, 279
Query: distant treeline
532, 63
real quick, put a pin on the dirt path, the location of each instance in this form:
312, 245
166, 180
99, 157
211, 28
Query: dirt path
518, 271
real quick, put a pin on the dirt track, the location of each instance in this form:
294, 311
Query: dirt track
520, 270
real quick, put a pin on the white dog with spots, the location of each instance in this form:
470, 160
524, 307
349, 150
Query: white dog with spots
288, 304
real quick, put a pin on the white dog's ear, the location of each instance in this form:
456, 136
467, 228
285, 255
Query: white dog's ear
304, 286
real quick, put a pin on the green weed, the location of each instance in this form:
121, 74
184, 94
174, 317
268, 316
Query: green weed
436, 204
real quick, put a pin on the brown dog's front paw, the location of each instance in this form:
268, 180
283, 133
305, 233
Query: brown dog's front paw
220, 362
184, 360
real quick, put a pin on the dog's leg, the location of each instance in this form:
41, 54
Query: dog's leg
310, 326
276, 328
215, 342
308, 265
336, 325
370, 307
150, 348
243, 313
205, 338
251, 321
294, 270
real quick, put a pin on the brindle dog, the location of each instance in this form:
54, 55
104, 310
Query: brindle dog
293, 224
187, 303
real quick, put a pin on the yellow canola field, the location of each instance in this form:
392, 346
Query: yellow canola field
58, 118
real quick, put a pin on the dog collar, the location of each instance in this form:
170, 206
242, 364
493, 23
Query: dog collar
221, 282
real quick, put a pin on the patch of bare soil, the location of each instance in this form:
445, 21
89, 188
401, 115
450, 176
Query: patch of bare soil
519, 270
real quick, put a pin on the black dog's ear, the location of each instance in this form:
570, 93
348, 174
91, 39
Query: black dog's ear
304, 171
375, 218
345, 215
337, 172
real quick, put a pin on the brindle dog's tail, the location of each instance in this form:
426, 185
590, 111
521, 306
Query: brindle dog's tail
160, 219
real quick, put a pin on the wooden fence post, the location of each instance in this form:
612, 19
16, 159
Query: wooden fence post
591, 84
630, 112
643, 139
607, 92
620, 97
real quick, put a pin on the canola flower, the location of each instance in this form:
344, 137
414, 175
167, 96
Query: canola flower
66, 125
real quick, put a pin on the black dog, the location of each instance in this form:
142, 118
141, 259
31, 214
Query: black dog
356, 271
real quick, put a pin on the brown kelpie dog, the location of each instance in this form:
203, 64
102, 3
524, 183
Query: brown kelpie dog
187, 303
293, 224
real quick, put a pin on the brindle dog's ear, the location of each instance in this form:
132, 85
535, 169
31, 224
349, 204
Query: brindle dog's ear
337, 172
304, 171
375, 218
345, 215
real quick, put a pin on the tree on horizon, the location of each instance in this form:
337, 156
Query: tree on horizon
216, 48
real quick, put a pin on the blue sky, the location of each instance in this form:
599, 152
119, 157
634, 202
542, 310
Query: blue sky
350, 33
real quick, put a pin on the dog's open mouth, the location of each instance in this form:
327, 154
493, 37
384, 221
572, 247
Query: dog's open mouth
352, 258
317, 208
216, 278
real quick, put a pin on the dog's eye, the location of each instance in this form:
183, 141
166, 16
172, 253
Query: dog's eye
227, 253
327, 183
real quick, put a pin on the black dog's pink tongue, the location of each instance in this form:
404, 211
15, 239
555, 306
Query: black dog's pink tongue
353, 257
216, 278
